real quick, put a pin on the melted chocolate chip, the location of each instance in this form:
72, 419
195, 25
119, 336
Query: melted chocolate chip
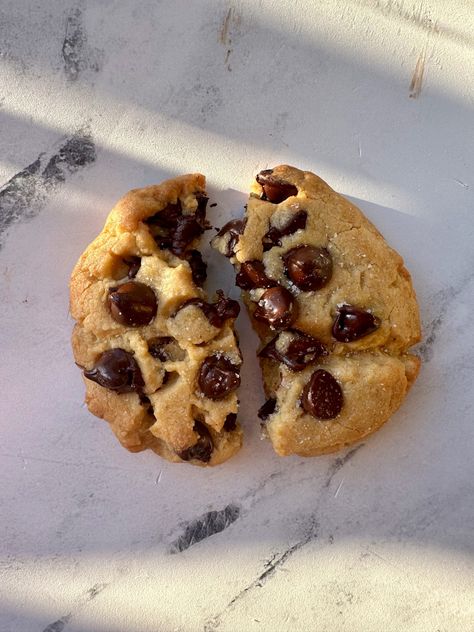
230, 423
267, 409
200, 214
352, 323
118, 371
322, 396
218, 377
202, 449
187, 229
234, 229
132, 304
167, 217
134, 264
252, 275
274, 234
274, 189
157, 347
198, 267
175, 230
309, 267
302, 350
276, 308
216, 313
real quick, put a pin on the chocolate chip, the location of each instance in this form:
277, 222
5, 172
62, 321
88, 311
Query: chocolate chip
202, 201
252, 275
274, 189
267, 409
118, 371
230, 423
176, 231
216, 313
274, 234
198, 267
234, 229
202, 449
301, 350
134, 264
187, 229
276, 308
352, 323
218, 377
167, 217
132, 304
157, 347
322, 396
224, 309
309, 267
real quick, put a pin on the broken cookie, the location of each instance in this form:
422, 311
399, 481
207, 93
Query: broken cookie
161, 362
334, 308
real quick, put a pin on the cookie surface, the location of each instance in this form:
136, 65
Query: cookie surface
334, 308
161, 362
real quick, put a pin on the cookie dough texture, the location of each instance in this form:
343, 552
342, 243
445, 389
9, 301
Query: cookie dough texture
167, 413
375, 370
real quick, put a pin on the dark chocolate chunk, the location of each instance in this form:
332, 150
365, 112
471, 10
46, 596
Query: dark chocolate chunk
234, 229
252, 275
132, 304
200, 214
174, 230
322, 396
309, 267
274, 189
224, 309
187, 229
267, 409
118, 371
274, 234
302, 350
134, 264
166, 218
157, 347
198, 267
202, 449
230, 423
276, 308
218, 376
352, 323
216, 313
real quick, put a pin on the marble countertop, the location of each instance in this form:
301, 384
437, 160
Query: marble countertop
98, 97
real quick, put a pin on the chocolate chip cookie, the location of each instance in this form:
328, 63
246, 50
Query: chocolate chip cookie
160, 361
334, 308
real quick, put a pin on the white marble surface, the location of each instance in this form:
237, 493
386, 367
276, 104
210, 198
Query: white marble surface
99, 97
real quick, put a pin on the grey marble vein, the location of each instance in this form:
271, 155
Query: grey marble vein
441, 301
204, 527
23, 196
89, 595
269, 570
339, 463
78, 56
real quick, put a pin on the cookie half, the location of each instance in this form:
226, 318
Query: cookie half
160, 361
334, 308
